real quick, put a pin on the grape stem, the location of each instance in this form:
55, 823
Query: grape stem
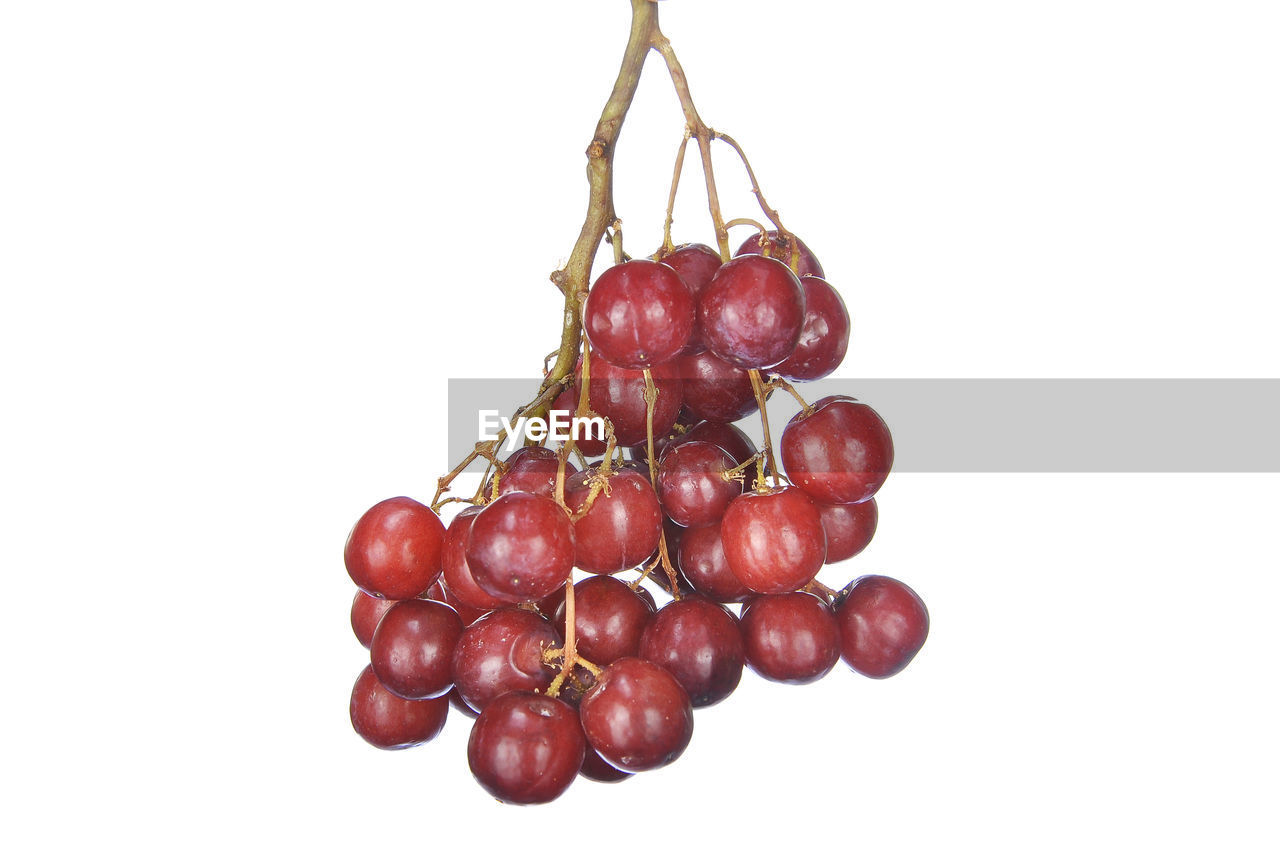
761, 398
664, 554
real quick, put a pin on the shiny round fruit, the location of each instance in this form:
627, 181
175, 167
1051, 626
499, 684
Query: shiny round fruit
390, 722
692, 483
701, 559
621, 528
780, 249
501, 652
849, 527
526, 748
520, 547
595, 768
459, 581
394, 549
824, 340
618, 394
638, 314
752, 312
883, 624
441, 592
790, 637
774, 541
638, 717
366, 613
609, 618
412, 649
698, 642
840, 451
532, 469
714, 390
568, 402
696, 264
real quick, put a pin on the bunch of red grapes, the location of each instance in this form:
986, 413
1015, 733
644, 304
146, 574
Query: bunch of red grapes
475, 614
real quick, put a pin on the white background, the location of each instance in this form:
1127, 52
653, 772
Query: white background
244, 244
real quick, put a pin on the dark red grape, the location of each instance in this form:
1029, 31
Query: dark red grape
568, 402
638, 717
824, 340
609, 619
456, 700
849, 528
366, 613
595, 768
698, 642
526, 748
752, 312
714, 390
394, 549
520, 547
883, 624
412, 649
841, 451
619, 395
774, 541
702, 562
695, 263
639, 314
780, 249
390, 722
501, 652
460, 583
532, 469
692, 485
441, 592
790, 637
621, 528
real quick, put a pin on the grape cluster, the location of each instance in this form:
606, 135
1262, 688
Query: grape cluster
592, 677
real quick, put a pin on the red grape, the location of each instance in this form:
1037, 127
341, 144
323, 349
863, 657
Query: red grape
692, 484
619, 395
609, 619
532, 469
394, 549
366, 613
526, 748
412, 649
840, 451
638, 717
714, 390
695, 263
702, 563
773, 540
638, 314
790, 637
520, 547
390, 722
752, 312
883, 624
568, 401
780, 249
458, 579
824, 340
621, 528
849, 528
500, 652
698, 642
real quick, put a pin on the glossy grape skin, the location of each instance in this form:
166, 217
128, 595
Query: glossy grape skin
639, 314
619, 395
532, 469
394, 549
638, 717
780, 249
521, 547
609, 619
716, 391
460, 705
390, 722
568, 402
774, 541
700, 556
459, 581
695, 263
752, 312
849, 528
595, 768
621, 528
692, 485
441, 592
698, 642
526, 748
824, 339
883, 623
501, 652
412, 649
366, 613
790, 637
840, 452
